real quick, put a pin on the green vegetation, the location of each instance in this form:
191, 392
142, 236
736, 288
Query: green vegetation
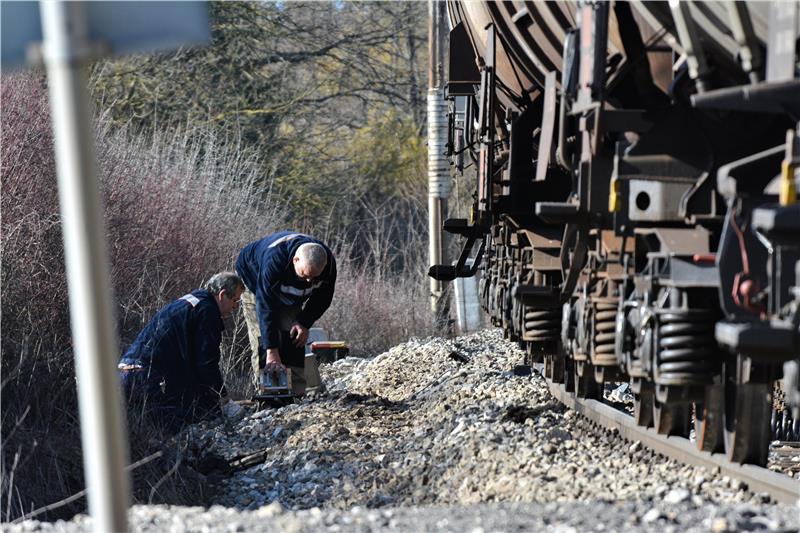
329, 94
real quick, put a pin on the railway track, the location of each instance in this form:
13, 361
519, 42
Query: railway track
780, 487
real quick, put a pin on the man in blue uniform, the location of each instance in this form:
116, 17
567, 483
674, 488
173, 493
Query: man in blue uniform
171, 371
290, 279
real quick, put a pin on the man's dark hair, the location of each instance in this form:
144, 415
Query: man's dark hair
224, 281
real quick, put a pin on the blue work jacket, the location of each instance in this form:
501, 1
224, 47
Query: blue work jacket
267, 270
179, 352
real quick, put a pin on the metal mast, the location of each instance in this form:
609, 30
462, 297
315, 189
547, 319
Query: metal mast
438, 167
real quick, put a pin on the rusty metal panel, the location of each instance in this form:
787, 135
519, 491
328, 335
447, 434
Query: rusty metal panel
462, 72
546, 261
540, 241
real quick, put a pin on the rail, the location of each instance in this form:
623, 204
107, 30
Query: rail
780, 487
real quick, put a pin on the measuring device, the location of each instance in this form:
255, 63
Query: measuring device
275, 388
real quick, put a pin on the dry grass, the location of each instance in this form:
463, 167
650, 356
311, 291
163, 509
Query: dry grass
375, 308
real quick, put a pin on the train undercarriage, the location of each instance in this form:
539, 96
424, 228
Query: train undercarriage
635, 207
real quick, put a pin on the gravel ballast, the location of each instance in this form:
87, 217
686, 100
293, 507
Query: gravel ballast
441, 435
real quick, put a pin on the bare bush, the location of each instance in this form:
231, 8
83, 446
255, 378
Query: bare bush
382, 298
176, 212
373, 311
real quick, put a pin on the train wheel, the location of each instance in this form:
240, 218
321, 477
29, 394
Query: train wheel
747, 422
554, 368
569, 375
585, 385
708, 424
671, 418
643, 406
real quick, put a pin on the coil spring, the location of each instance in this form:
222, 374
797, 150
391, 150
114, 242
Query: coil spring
541, 324
686, 344
490, 300
783, 426
496, 305
605, 317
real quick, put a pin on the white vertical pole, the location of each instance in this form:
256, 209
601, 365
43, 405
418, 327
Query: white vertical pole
105, 448
435, 247
472, 306
458, 296
468, 309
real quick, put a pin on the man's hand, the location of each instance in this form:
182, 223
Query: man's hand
274, 363
298, 334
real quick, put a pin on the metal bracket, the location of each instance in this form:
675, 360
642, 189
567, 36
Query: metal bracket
690, 40
486, 130
749, 49
460, 226
460, 269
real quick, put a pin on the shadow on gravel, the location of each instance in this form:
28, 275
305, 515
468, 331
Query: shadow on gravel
370, 400
359, 481
289, 478
209, 463
520, 413
461, 358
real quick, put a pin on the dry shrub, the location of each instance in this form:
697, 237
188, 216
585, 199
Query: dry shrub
382, 296
373, 311
176, 212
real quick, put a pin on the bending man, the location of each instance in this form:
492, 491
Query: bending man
290, 279
172, 369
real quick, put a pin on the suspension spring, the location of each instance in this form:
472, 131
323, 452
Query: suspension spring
605, 316
687, 350
541, 325
491, 298
783, 426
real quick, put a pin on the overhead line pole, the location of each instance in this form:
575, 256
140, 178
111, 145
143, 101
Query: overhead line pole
438, 168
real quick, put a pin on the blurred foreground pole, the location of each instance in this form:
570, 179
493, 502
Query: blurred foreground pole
105, 452
438, 168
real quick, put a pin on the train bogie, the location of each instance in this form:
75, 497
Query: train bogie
636, 175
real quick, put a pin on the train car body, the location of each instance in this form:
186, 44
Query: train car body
635, 211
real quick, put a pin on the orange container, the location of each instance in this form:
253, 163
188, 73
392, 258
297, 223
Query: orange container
330, 351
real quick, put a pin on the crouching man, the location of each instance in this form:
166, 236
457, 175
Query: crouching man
290, 279
171, 371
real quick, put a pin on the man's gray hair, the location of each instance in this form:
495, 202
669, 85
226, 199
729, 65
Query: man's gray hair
224, 281
313, 255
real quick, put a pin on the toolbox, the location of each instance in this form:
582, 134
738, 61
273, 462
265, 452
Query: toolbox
330, 351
